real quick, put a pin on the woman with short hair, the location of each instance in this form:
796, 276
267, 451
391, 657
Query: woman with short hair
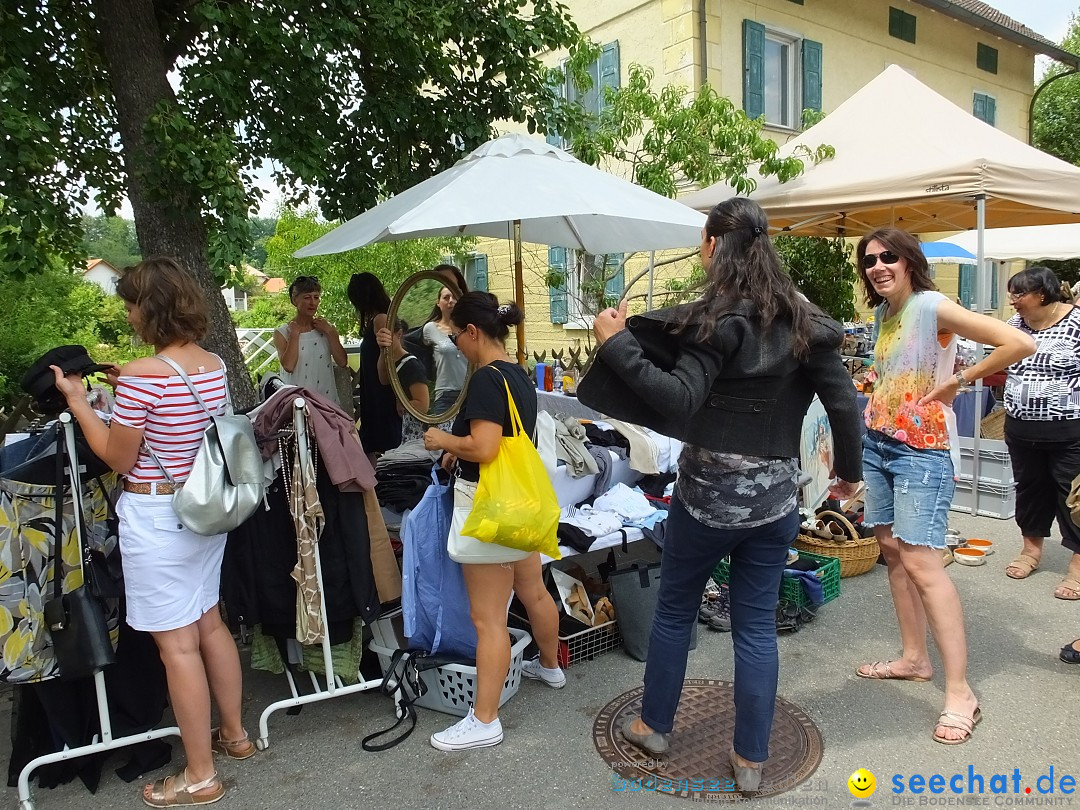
309, 346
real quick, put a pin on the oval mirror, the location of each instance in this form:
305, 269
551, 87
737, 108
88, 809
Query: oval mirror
413, 307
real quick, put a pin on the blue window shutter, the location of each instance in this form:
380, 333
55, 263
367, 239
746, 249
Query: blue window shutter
991, 111
557, 295
984, 108
811, 75
476, 272
613, 288
557, 85
753, 69
966, 285
609, 70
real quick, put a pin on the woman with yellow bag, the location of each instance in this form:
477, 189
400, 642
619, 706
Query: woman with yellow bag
497, 419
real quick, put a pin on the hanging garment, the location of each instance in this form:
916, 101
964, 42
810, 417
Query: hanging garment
384, 564
434, 601
308, 520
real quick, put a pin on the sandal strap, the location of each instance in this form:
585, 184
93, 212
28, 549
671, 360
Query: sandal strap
968, 722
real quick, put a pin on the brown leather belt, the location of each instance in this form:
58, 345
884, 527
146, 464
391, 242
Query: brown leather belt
149, 488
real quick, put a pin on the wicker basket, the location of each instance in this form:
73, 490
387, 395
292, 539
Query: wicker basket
857, 555
993, 425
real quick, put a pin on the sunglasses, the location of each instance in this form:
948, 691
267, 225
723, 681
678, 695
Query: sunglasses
886, 256
455, 336
1017, 296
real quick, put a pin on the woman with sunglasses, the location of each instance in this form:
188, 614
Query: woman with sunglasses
492, 572
308, 346
908, 457
735, 372
1042, 422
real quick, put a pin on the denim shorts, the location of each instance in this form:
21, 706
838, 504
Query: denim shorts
908, 488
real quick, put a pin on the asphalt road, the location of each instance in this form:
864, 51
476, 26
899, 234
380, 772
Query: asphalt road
548, 759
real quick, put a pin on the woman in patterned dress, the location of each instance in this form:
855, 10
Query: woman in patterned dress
1042, 422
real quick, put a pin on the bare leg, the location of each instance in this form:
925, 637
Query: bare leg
945, 615
543, 615
222, 664
489, 586
915, 657
190, 697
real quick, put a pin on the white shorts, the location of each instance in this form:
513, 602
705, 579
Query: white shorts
172, 576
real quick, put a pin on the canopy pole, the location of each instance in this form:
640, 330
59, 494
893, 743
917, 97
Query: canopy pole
980, 392
652, 272
519, 293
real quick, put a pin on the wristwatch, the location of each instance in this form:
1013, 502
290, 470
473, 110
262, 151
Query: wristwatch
961, 380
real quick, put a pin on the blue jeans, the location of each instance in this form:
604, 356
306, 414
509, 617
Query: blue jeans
692, 551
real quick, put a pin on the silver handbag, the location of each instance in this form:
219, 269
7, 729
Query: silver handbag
226, 483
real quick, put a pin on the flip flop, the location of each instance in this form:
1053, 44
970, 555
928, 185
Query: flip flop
880, 671
1025, 563
959, 722
1068, 584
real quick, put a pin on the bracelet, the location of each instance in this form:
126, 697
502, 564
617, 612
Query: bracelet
961, 379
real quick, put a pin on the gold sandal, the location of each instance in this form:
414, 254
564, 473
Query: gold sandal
175, 791
233, 749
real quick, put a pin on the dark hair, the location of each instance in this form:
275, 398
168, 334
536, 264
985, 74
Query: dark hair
302, 285
482, 310
459, 280
1039, 280
745, 266
171, 304
368, 296
904, 245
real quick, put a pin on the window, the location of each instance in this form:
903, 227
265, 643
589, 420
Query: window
476, 272
572, 302
604, 72
984, 108
901, 25
782, 75
966, 284
986, 58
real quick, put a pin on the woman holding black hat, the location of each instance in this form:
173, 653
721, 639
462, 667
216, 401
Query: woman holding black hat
171, 574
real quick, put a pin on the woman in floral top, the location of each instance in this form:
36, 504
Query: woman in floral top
908, 462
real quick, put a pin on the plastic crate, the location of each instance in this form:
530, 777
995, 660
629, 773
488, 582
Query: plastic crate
995, 500
452, 688
791, 589
995, 463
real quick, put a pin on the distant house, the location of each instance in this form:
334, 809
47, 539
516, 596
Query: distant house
237, 298
100, 272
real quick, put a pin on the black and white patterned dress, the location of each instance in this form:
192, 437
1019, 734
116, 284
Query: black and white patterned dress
1045, 387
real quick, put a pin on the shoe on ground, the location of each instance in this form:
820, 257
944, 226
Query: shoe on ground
654, 744
468, 733
555, 678
721, 623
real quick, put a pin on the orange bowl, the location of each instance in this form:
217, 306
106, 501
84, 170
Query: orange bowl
969, 556
985, 546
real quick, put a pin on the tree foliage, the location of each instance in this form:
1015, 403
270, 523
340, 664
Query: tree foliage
176, 103
1056, 117
822, 270
112, 239
391, 262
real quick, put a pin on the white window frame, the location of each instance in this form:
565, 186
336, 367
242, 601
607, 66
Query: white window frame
792, 75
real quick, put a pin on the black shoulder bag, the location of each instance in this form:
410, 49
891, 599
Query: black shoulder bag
75, 620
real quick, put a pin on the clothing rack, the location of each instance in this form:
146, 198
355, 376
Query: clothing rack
334, 687
106, 741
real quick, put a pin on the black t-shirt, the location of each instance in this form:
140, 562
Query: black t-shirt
410, 371
486, 399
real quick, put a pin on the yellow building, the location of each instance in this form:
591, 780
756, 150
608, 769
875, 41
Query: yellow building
775, 58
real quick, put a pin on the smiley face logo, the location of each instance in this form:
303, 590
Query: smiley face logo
862, 784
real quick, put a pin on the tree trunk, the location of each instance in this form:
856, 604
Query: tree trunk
167, 225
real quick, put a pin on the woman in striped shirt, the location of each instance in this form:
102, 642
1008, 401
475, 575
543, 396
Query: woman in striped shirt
171, 574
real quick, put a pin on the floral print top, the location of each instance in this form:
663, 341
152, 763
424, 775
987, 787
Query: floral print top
910, 360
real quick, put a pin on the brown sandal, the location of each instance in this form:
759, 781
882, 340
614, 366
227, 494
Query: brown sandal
1025, 564
175, 791
1068, 585
960, 722
233, 749
882, 671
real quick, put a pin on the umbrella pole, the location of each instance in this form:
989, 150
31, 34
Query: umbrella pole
519, 292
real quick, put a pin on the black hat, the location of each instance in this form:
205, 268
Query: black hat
40, 382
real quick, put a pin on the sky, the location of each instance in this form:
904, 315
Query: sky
1047, 17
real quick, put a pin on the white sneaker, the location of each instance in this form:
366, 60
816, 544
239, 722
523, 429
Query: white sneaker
468, 733
555, 678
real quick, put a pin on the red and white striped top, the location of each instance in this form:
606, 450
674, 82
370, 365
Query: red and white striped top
172, 421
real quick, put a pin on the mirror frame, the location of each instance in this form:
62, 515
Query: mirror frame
391, 371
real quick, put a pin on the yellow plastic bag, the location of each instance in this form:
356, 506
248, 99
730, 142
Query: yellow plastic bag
515, 504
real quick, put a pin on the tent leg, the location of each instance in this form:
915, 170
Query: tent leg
519, 293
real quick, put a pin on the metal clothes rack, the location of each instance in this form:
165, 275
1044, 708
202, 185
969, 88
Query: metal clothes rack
106, 741
333, 687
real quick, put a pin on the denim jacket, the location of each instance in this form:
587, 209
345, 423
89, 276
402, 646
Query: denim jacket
742, 391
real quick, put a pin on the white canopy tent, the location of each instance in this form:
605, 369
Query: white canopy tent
1033, 243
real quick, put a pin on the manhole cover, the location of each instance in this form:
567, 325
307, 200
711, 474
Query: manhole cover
697, 767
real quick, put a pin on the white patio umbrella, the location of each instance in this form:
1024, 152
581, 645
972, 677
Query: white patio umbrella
522, 188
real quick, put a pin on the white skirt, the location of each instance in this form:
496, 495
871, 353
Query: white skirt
172, 576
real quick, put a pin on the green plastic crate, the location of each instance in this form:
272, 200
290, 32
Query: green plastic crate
791, 589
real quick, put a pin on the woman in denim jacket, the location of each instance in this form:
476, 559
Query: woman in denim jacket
735, 372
